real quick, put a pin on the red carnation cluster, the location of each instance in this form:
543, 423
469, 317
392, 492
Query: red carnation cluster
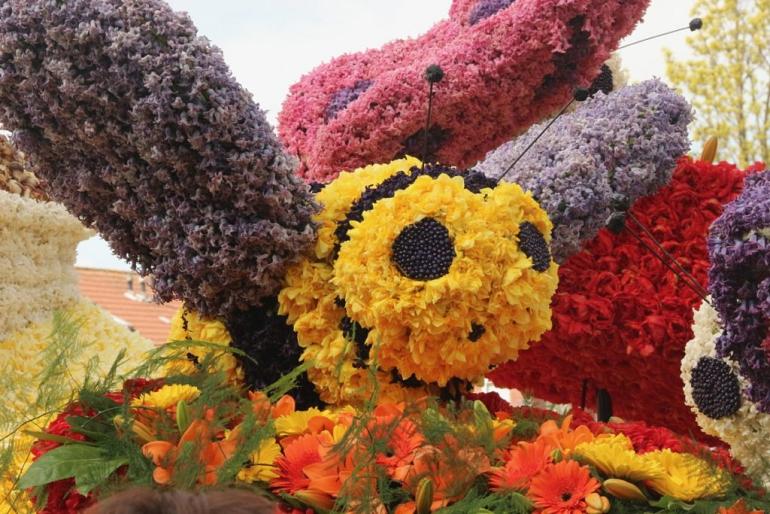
621, 318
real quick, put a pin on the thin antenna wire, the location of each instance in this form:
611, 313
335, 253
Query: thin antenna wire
534, 141
433, 74
695, 24
667, 264
673, 259
427, 126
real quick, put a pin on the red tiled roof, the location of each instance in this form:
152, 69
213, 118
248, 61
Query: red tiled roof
109, 289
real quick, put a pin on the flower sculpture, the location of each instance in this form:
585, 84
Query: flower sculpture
508, 65
39, 293
432, 274
612, 150
725, 369
628, 314
142, 132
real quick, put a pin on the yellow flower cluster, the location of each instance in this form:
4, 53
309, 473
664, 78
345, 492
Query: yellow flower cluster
424, 326
167, 396
418, 328
187, 325
680, 475
309, 298
23, 357
38, 241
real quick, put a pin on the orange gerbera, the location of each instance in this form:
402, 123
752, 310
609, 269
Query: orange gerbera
563, 438
526, 460
211, 455
562, 488
299, 455
739, 507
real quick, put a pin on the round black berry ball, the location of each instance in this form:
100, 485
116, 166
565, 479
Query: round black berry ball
582, 94
696, 24
715, 388
434, 73
534, 246
423, 250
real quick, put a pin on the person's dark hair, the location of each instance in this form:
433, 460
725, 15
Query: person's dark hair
148, 501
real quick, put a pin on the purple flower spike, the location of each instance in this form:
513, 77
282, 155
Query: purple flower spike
614, 149
739, 250
142, 132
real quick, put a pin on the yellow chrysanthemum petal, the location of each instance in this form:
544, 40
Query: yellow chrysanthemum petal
189, 325
615, 457
167, 396
686, 477
423, 326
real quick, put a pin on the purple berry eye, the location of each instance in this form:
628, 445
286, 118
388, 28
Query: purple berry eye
533, 245
423, 250
715, 388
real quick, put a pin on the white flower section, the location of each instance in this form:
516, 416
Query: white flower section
38, 241
748, 430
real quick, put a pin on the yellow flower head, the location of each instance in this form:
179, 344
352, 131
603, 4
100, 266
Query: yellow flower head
357, 293
452, 281
261, 466
167, 396
295, 423
615, 457
188, 325
311, 304
687, 477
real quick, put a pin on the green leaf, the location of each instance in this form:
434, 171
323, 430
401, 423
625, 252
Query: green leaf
88, 465
45, 436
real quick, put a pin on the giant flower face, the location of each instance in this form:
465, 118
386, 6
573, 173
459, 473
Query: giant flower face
431, 274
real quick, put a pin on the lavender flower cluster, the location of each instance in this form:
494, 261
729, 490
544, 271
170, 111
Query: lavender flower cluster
611, 151
141, 130
739, 282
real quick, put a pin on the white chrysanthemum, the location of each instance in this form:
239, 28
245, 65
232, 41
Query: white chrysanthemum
748, 430
38, 241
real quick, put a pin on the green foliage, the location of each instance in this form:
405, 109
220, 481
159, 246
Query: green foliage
90, 466
728, 77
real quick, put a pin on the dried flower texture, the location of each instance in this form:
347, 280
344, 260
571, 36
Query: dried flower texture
624, 314
37, 248
615, 148
141, 130
506, 67
14, 175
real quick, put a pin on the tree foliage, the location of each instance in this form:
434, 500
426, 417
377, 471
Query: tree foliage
728, 77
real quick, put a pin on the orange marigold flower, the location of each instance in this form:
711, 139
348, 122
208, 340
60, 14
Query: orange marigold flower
562, 488
525, 461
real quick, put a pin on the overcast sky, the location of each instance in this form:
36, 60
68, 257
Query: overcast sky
269, 44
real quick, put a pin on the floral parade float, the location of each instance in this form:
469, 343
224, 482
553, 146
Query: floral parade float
399, 284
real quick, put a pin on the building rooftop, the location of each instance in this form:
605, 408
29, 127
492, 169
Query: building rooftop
129, 298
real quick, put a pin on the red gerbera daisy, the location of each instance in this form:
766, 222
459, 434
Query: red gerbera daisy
562, 488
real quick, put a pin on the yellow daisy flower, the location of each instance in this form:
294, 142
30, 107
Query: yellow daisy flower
296, 422
261, 463
686, 477
167, 396
615, 457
